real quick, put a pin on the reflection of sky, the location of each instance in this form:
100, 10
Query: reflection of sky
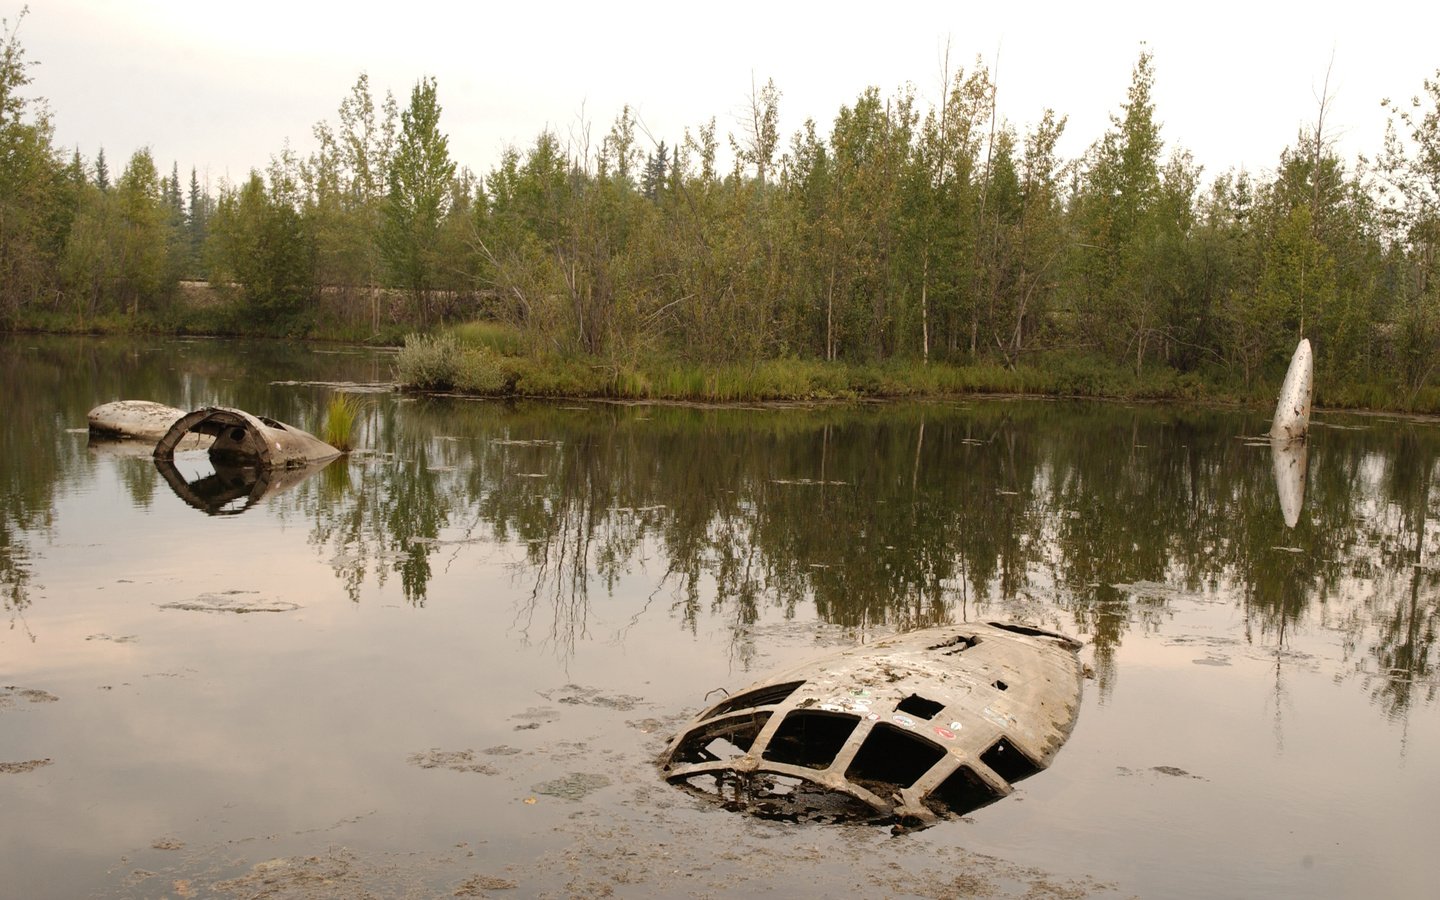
251, 724
268, 729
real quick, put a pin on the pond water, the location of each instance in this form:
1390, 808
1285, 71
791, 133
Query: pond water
447, 663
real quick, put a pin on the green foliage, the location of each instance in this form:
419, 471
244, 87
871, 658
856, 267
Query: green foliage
341, 415
258, 240
497, 337
419, 197
428, 362
33, 208
905, 250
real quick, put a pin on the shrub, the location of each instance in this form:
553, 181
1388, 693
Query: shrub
428, 362
478, 371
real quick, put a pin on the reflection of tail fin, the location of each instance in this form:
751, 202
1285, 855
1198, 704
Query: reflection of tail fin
1292, 412
1291, 459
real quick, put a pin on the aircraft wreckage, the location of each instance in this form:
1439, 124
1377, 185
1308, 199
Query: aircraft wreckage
132, 420
240, 435
910, 730
230, 434
251, 456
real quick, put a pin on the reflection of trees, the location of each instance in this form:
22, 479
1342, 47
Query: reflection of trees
898, 516
382, 510
35, 453
56, 381
1405, 607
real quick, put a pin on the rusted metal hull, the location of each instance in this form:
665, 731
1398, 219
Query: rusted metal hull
240, 435
909, 730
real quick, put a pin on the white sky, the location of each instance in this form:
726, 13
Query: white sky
222, 85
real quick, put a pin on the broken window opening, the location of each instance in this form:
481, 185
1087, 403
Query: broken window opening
810, 739
769, 695
892, 758
956, 644
715, 741
916, 705
961, 793
1007, 762
782, 798
706, 784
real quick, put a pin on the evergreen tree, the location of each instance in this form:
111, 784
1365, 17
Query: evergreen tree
102, 171
1116, 213
197, 223
657, 168
420, 178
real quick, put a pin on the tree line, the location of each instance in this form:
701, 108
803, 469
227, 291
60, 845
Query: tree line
937, 233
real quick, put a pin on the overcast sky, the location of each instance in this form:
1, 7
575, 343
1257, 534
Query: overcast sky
222, 85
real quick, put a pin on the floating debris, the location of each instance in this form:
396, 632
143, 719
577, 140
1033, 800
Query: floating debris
232, 602
909, 730
9, 694
575, 695
1171, 771
1156, 589
536, 716
454, 760
479, 884
344, 387
576, 786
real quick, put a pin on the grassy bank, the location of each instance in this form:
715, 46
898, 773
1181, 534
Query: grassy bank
489, 360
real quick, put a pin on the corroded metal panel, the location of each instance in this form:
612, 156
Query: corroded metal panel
133, 419
911, 729
239, 434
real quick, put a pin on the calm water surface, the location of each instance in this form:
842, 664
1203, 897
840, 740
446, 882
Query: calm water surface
447, 662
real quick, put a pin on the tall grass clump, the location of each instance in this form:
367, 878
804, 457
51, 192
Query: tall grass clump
340, 418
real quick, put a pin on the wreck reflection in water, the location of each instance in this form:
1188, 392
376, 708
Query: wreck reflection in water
231, 485
1291, 461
